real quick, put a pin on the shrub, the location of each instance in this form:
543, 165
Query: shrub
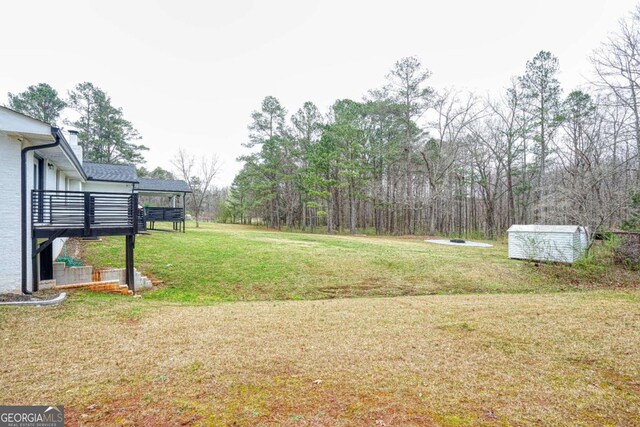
627, 251
69, 261
633, 221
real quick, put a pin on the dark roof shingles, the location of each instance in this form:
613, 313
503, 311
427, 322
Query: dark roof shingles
110, 172
127, 173
163, 185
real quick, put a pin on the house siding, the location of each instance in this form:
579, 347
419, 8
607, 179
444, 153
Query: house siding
108, 187
75, 185
11, 259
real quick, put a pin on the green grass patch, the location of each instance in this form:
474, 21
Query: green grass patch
218, 262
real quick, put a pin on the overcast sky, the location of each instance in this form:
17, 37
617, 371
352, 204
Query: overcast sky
188, 74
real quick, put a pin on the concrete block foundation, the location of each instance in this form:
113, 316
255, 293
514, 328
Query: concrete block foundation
63, 275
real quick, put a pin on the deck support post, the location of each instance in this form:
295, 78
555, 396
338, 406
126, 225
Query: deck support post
34, 265
130, 275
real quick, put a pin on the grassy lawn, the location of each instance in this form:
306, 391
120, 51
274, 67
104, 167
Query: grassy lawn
231, 263
466, 338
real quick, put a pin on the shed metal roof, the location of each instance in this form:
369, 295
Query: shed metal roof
163, 185
542, 228
110, 172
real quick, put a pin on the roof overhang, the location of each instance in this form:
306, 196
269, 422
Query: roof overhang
33, 132
20, 126
64, 157
158, 193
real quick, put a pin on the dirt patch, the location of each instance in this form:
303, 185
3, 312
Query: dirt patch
285, 241
368, 287
11, 297
73, 247
37, 296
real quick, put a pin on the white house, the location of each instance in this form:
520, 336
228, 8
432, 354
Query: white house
559, 243
48, 194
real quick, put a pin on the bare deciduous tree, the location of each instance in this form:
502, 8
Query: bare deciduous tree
617, 70
199, 174
440, 153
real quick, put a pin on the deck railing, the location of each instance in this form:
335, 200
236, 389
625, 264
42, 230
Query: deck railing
142, 220
164, 214
88, 211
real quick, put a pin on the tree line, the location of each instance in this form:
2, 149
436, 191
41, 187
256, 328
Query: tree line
412, 159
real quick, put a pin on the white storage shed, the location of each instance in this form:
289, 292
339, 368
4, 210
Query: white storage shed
558, 243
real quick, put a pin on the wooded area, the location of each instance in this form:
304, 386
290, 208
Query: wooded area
412, 159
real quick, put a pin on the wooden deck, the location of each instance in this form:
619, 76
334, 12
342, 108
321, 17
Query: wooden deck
83, 214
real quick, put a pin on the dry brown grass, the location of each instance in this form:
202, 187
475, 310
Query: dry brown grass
558, 359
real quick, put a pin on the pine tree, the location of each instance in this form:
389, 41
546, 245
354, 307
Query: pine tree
40, 101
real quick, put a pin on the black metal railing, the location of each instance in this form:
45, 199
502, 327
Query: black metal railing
84, 210
164, 214
142, 220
